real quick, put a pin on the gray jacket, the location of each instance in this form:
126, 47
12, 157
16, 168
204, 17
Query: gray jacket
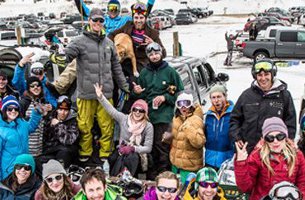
121, 118
97, 62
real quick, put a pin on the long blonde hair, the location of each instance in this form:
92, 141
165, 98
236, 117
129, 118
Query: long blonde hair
289, 152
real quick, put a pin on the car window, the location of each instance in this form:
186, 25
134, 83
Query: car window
185, 77
272, 33
288, 37
60, 34
199, 76
301, 36
71, 33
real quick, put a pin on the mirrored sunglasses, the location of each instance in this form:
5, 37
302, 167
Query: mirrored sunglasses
184, 103
11, 108
270, 138
32, 85
101, 20
163, 189
207, 184
25, 167
140, 110
113, 8
287, 192
51, 179
37, 71
265, 66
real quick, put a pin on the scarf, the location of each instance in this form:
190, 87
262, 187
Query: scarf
135, 128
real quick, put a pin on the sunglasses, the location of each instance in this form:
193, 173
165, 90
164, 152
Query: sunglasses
51, 179
34, 85
113, 8
266, 66
287, 192
11, 108
163, 189
207, 184
184, 103
25, 167
101, 20
138, 110
37, 71
279, 137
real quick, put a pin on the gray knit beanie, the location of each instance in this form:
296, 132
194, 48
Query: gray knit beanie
52, 167
218, 88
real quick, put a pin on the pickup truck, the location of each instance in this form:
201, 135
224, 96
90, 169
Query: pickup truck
287, 44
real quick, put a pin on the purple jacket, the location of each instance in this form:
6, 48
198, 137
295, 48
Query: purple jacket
152, 195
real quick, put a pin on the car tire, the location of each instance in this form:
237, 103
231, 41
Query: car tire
200, 16
260, 55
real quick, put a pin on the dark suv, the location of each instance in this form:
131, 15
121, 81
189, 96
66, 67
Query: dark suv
194, 11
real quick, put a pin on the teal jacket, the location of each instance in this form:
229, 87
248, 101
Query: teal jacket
160, 81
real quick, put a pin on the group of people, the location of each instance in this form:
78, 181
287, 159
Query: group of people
162, 131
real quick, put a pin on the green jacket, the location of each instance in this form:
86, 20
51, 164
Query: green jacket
163, 80
112, 193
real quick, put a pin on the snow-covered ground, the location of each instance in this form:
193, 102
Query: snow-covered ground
200, 39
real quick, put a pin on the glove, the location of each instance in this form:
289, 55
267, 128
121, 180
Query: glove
125, 150
126, 88
59, 59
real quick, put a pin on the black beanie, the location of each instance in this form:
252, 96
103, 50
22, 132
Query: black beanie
30, 80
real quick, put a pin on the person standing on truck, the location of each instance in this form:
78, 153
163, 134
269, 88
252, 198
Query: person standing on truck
253, 32
159, 85
267, 97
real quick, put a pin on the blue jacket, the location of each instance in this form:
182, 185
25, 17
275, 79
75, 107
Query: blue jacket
14, 140
218, 145
111, 24
19, 83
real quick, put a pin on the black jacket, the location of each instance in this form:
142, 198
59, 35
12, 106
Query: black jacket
253, 107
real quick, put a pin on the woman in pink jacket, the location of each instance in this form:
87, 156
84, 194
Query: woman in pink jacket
274, 159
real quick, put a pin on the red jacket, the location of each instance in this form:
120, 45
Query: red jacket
252, 176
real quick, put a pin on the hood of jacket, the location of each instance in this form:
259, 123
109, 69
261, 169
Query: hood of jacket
161, 66
88, 32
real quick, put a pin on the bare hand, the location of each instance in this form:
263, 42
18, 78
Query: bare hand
54, 122
240, 143
98, 90
158, 100
26, 59
147, 40
47, 107
137, 88
242, 153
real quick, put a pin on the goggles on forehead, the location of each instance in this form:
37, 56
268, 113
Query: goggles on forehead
139, 11
287, 192
265, 66
37, 71
153, 47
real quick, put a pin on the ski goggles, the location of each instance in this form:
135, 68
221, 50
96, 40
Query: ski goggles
163, 189
37, 71
207, 184
270, 138
153, 47
139, 8
98, 19
266, 66
50, 179
113, 8
287, 192
184, 103
25, 167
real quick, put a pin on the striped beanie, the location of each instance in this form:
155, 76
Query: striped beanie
9, 101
